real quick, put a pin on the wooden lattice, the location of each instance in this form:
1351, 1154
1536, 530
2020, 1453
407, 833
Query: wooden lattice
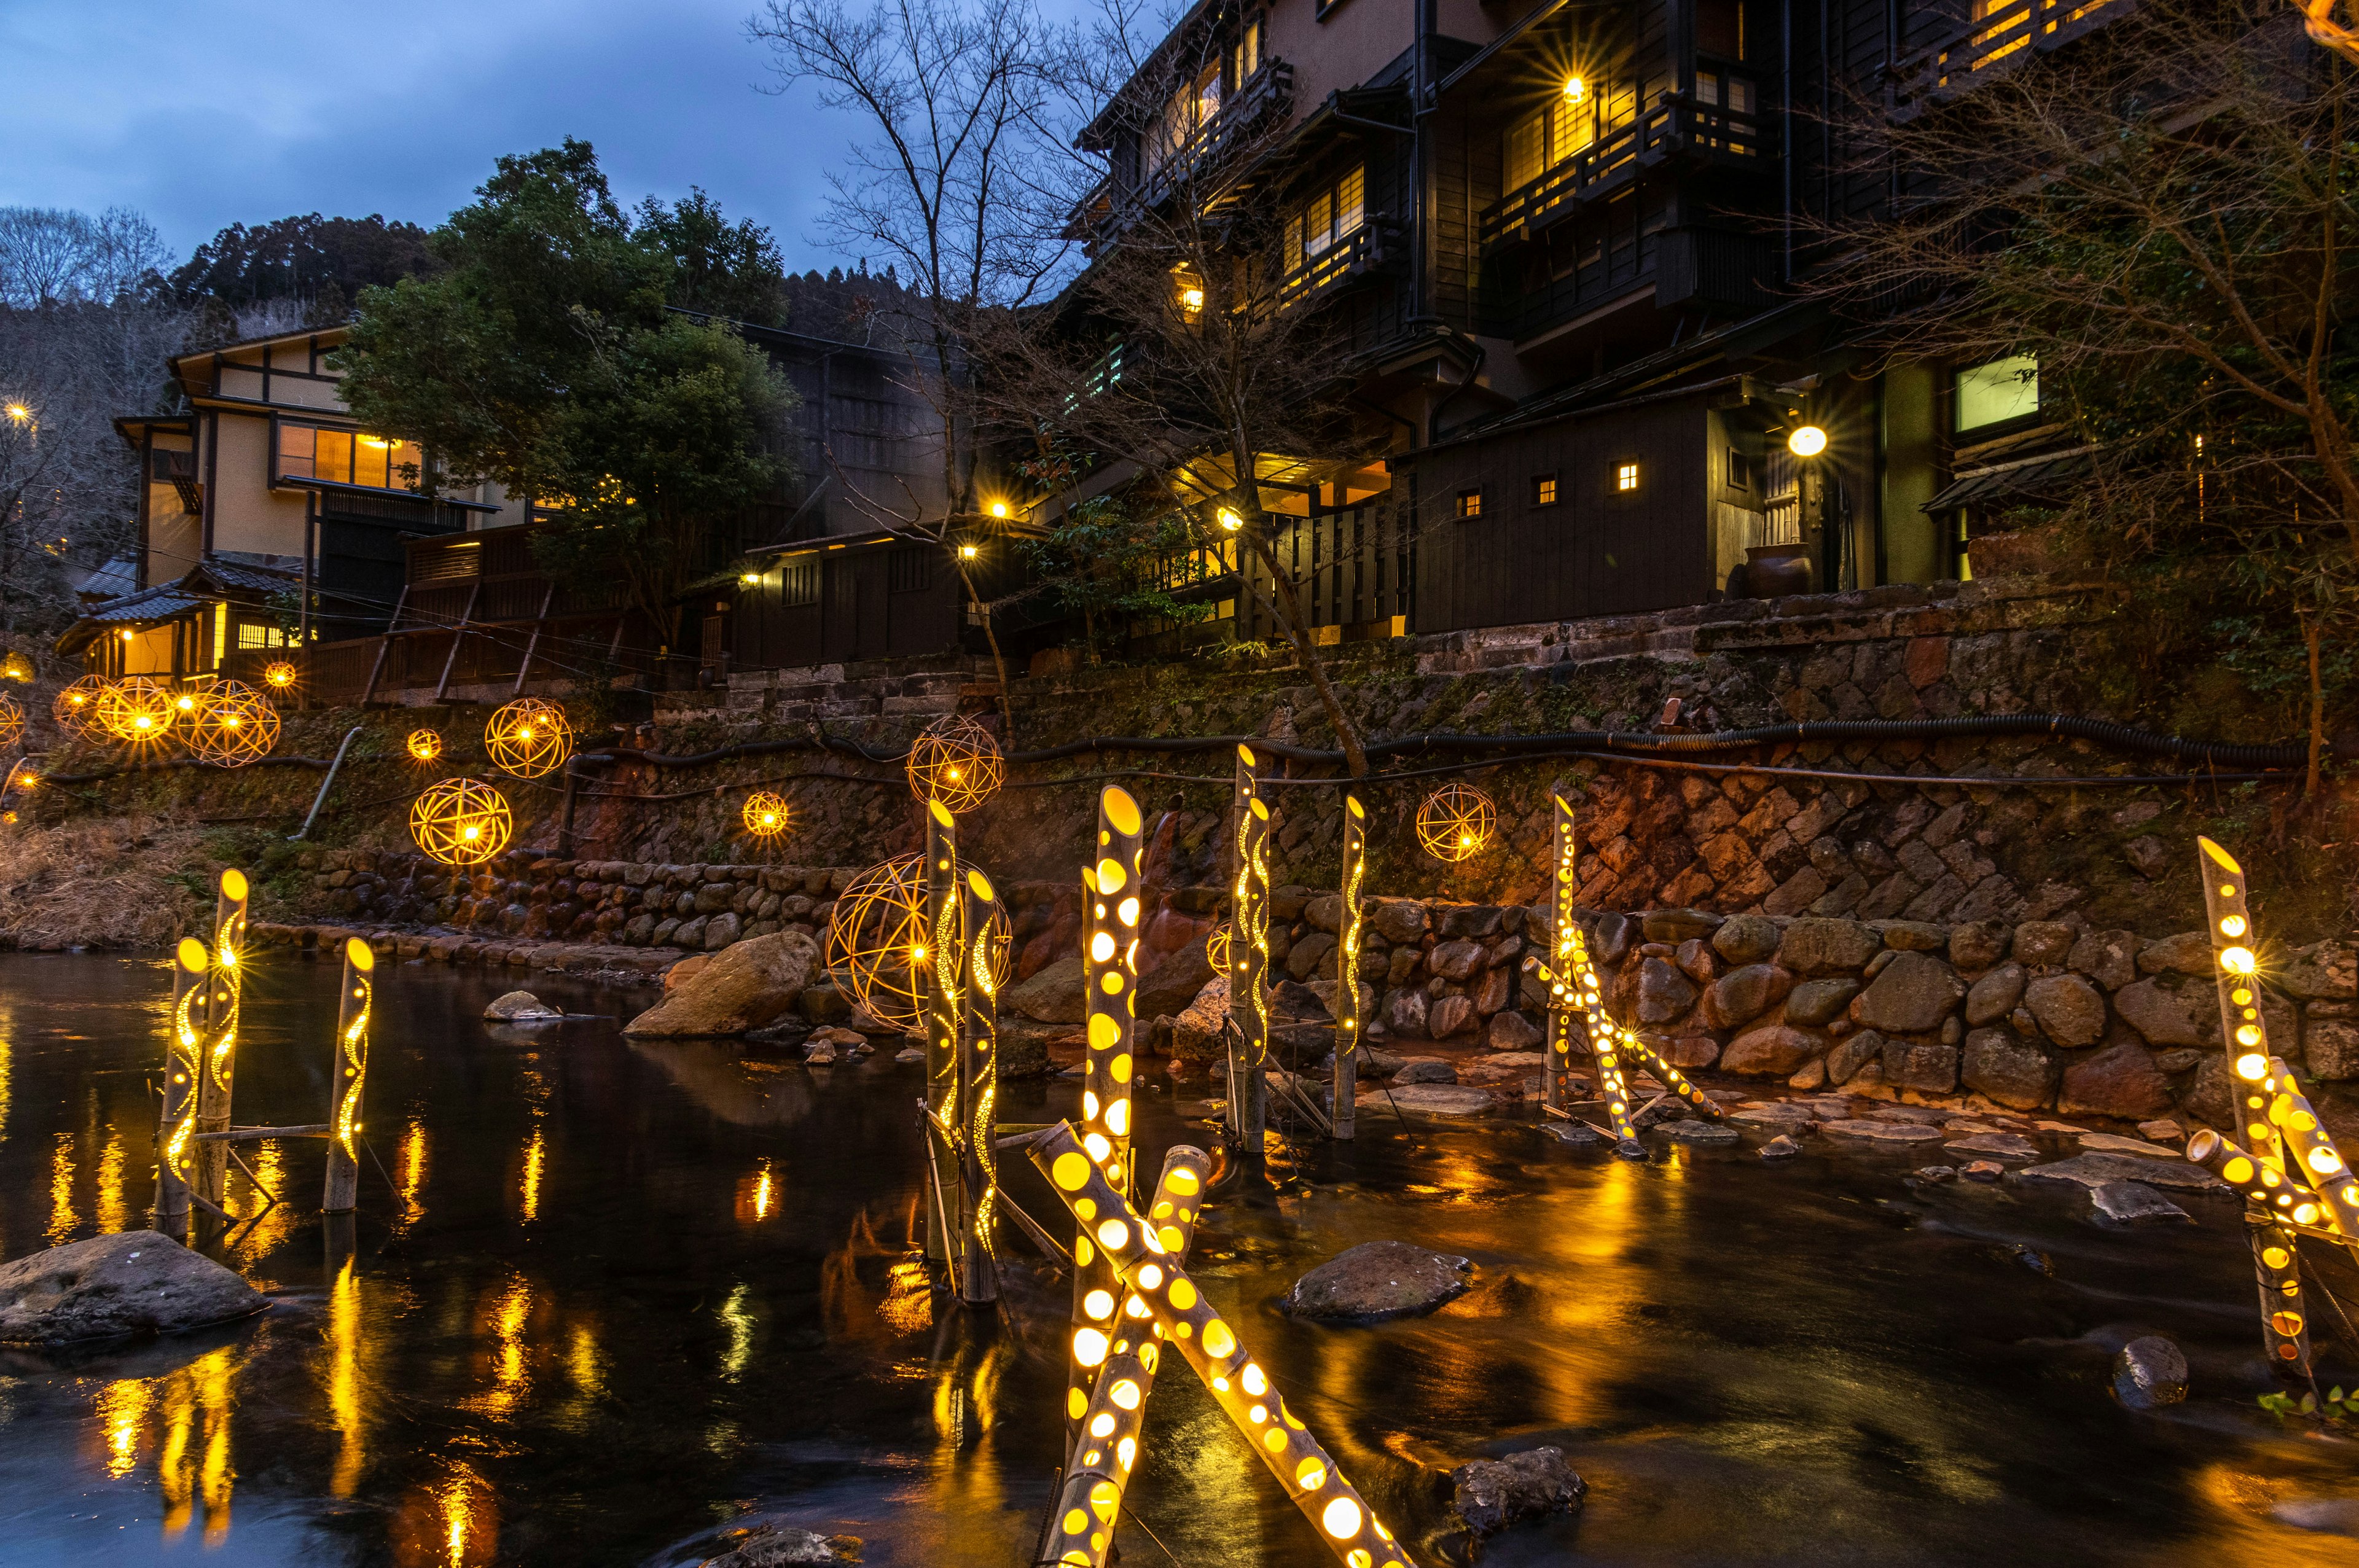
878, 938
424, 745
76, 707
136, 709
766, 813
460, 822
1456, 821
956, 761
528, 738
233, 725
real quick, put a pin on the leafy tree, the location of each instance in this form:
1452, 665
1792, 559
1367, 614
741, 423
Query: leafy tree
718, 268
1101, 559
311, 269
540, 354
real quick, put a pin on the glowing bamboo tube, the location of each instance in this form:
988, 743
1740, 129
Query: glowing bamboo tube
1670, 1078
1564, 932
2242, 1027
345, 1077
1249, 971
978, 1093
2311, 1154
183, 1062
222, 989
1581, 991
936, 970
1110, 932
2269, 1194
2270, 1201
1145, 1259
1106, 1440
1346, 1103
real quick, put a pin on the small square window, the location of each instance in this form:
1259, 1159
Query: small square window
1470, 503
1544, 489
1740, 472
1625, 477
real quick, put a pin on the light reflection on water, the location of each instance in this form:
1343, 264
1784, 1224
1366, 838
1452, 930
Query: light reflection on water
601, 1296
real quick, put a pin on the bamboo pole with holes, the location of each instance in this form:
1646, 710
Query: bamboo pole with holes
184, 1058
1248, 1114
937, 972
223, 990
1348, 928
348, 1070
1564, 932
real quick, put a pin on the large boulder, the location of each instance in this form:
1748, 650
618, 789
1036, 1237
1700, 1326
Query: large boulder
1052, 996
2013, 1072
2122, 1080
110, 1287
1772, 1049
1455, 960
1745, 994
2167, 1015
1664, 993
1913, 994
1197, 1033
1929, 1069
1173, 983
1406, 1017
1492, 1494
1825, 947
521, 1007
1378, 1279
746, 986
2070, 1010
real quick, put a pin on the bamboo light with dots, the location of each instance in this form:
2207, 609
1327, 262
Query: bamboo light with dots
224, 989
979, 1084
1110, 930
528, 738
1455, 822
766, 814
1349, 923
184, 1058
1563, 939
1144, 1260
1103, 1448
460, 822
950, 1229
340, 1192
955, 761
75, 708
1248, 1112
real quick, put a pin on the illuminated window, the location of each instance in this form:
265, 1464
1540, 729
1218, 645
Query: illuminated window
1550, 135
1245, 59
1998, 392
1327, 219
1470, 503
342, 456
1625, 477
251, 635
1544, 489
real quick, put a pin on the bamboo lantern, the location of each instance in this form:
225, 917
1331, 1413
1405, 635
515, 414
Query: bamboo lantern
424, 745
279, 674
528, 738
879, 937
234, 725
1564, 938
343, 1185
1456, 821
1345, 1104
12, 721
192, 690
75, 708
766, 814
223, 988
1145, 1257
957, 761
978, 1090
136, 710
184, 1058
1248, 1112
460, 822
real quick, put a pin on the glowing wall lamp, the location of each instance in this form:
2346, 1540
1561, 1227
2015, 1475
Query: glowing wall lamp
1575, 90
1806, 441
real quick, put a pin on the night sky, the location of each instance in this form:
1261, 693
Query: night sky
202, 112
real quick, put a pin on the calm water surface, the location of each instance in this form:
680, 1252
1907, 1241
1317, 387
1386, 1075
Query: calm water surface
604, 1299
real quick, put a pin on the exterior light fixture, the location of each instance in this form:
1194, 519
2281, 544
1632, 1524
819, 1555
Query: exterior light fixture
232, 725
1575, 90
999, 508
1230, 521
956, 761
766, 814
751, 580
528, 738
1455, 821
1806, 441
968, 552
1192, 300
425, 745
460, 822
126, 634
279, 672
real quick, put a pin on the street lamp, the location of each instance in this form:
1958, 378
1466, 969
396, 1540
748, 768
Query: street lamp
1806, 441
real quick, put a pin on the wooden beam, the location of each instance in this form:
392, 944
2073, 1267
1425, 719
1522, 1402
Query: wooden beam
532, 644
458, 635
385, 645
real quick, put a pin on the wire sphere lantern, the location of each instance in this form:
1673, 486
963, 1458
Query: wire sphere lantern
185, 701
528, 738
879, 937
12, 721
136, 709
1455, 821
76, 707
767, 815
232, 725
424, 745
956, 761
460, 822
1217, 947
279, 674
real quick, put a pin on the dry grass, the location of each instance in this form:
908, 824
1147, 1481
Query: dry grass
104, 883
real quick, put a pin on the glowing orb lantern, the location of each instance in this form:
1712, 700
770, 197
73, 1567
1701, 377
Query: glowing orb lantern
278, 674
879, 936
460, 822
76, 707
956, 761
193, 688
1217, 947
12, 721
136, 709
1455, 821
766, 814
232, 725
425, 745
528, 738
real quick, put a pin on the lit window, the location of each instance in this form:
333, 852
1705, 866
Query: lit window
341, 456
250, 636
1996, 392
1469, 503
1544, 489
1326, 220
1625, 477
1550, 133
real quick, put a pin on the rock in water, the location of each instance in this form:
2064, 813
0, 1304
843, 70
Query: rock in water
2096, 1170
1574, 1132
1493, 1493
1782, 1147
1700, 1132
1882, 1131
1997, 1145
910, 1054
746, 985
1443, 1099
521, 1007
1378, 1279
113, 1286
779, 1545
2149, 1371
1424, 1070
2134, 1203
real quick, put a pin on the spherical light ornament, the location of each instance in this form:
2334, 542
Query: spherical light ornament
278, 674
76, 707
136, 710
1455, 821
460, 822
1806, 441
12, 721
186, 701
528, 738
233, 725
767, 815
956, 761
1217, 947
424, 745
879, 936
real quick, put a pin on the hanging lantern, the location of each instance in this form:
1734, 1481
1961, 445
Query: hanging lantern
425, 745
460, 822
956, 761
136, 710
878, 935
279, 674
76, 707
1455, 821
232, 725
528, 738
766, 814
12, 721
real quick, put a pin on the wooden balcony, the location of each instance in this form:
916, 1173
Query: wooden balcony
1364, 250
1107, 212
1674, 128
2004, 34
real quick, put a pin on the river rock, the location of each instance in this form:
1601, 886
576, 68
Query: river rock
2070, 1010
2096, 1170
1424, 1070
1399, 920
1378, 1279
1444, 1099
1996, 995
1814, 1003
746, 986
1850, 1055
2108, 958
2149, 1371
1774, 1049
1782, 1147
2123, 1080
1982, 1170
1449, 1015
1196, 1032
1052, 996
1492, 1494
1979, 944
110, 1287
2189, 953
1512, 1032
2134, 1203
1406, 1014
1997, 1145
1882, 1131
521, 1007
1745, 939
1745, 994
1824, 947
2113, 1144
780, 1546
1697, 1131
1927, 1069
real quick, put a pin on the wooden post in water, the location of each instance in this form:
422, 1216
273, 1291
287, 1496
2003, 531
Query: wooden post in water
222, 988
938, 974
1347, 971
183, 1062
1248, 1114
346, 1073
978, 1096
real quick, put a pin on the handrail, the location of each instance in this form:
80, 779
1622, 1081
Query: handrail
1983, 41
1672, 122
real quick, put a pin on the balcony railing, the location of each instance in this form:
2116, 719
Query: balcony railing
1108, 210
1361, 251
1936, 74
1672, 126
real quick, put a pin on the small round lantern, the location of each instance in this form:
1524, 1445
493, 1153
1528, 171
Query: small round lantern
956, 761
766, 814
16, 667
279, 674
136, 709
1217, 947
460, 822
880, 937
1455, 821
76, 707
424, 745
528, 738
12, 721
232, 725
